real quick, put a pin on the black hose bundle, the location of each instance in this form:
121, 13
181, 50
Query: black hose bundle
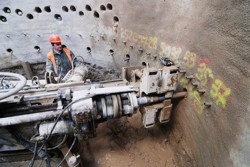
30, 146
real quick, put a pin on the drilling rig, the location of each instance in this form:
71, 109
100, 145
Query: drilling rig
41, 116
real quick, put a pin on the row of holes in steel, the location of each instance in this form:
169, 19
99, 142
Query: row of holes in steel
111, 51
57, 16
37, 48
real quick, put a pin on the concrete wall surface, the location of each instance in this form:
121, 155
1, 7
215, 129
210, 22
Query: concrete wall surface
209, 39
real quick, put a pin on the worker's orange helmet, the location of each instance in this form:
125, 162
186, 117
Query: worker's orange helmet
55, 39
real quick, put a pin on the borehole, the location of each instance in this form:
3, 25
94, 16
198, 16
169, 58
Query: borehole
3, 19
47, 9
37, 48
144, 64
109, 6
88, 49
88, 8
96, 14
29, 16
65, 9
127, 58
19, 12
81, 13
58, 17
9, 50
111, 51
102, 7
72, 8
38, 10
6, 10
116, 19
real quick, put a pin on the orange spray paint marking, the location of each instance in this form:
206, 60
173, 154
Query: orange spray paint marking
183, 82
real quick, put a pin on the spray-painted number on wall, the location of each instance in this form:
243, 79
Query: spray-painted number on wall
198, 103
189, 59
142, 40
204, 74
152, 42
220, 92
173, 53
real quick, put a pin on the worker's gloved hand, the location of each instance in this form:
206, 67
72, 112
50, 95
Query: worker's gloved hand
77, 64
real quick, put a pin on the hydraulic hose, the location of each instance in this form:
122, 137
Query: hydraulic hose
26, 144
17, 88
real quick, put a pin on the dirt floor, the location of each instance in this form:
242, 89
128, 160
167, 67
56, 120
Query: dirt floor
125, 142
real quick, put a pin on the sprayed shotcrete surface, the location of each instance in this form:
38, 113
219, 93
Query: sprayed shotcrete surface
209, 39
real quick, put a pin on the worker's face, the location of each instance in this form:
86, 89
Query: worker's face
57, 47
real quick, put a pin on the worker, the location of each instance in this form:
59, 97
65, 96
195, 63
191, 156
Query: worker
60, 60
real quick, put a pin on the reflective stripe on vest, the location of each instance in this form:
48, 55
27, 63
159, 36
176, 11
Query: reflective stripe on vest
51, 57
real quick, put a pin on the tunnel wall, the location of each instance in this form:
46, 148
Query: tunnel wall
208, 39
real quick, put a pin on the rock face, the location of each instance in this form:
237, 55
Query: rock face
209, 39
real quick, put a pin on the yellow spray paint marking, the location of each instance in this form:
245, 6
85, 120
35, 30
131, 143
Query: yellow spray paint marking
152, 42
197, 102
171, 52
199, 105
127, 34
204, 73
175, 54
142, 40
125, 50
220, 92
189, 59
135, 37
164, 49
158, 64
123, 33
183, 82
144, 58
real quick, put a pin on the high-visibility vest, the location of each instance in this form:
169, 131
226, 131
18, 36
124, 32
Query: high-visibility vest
51, 57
